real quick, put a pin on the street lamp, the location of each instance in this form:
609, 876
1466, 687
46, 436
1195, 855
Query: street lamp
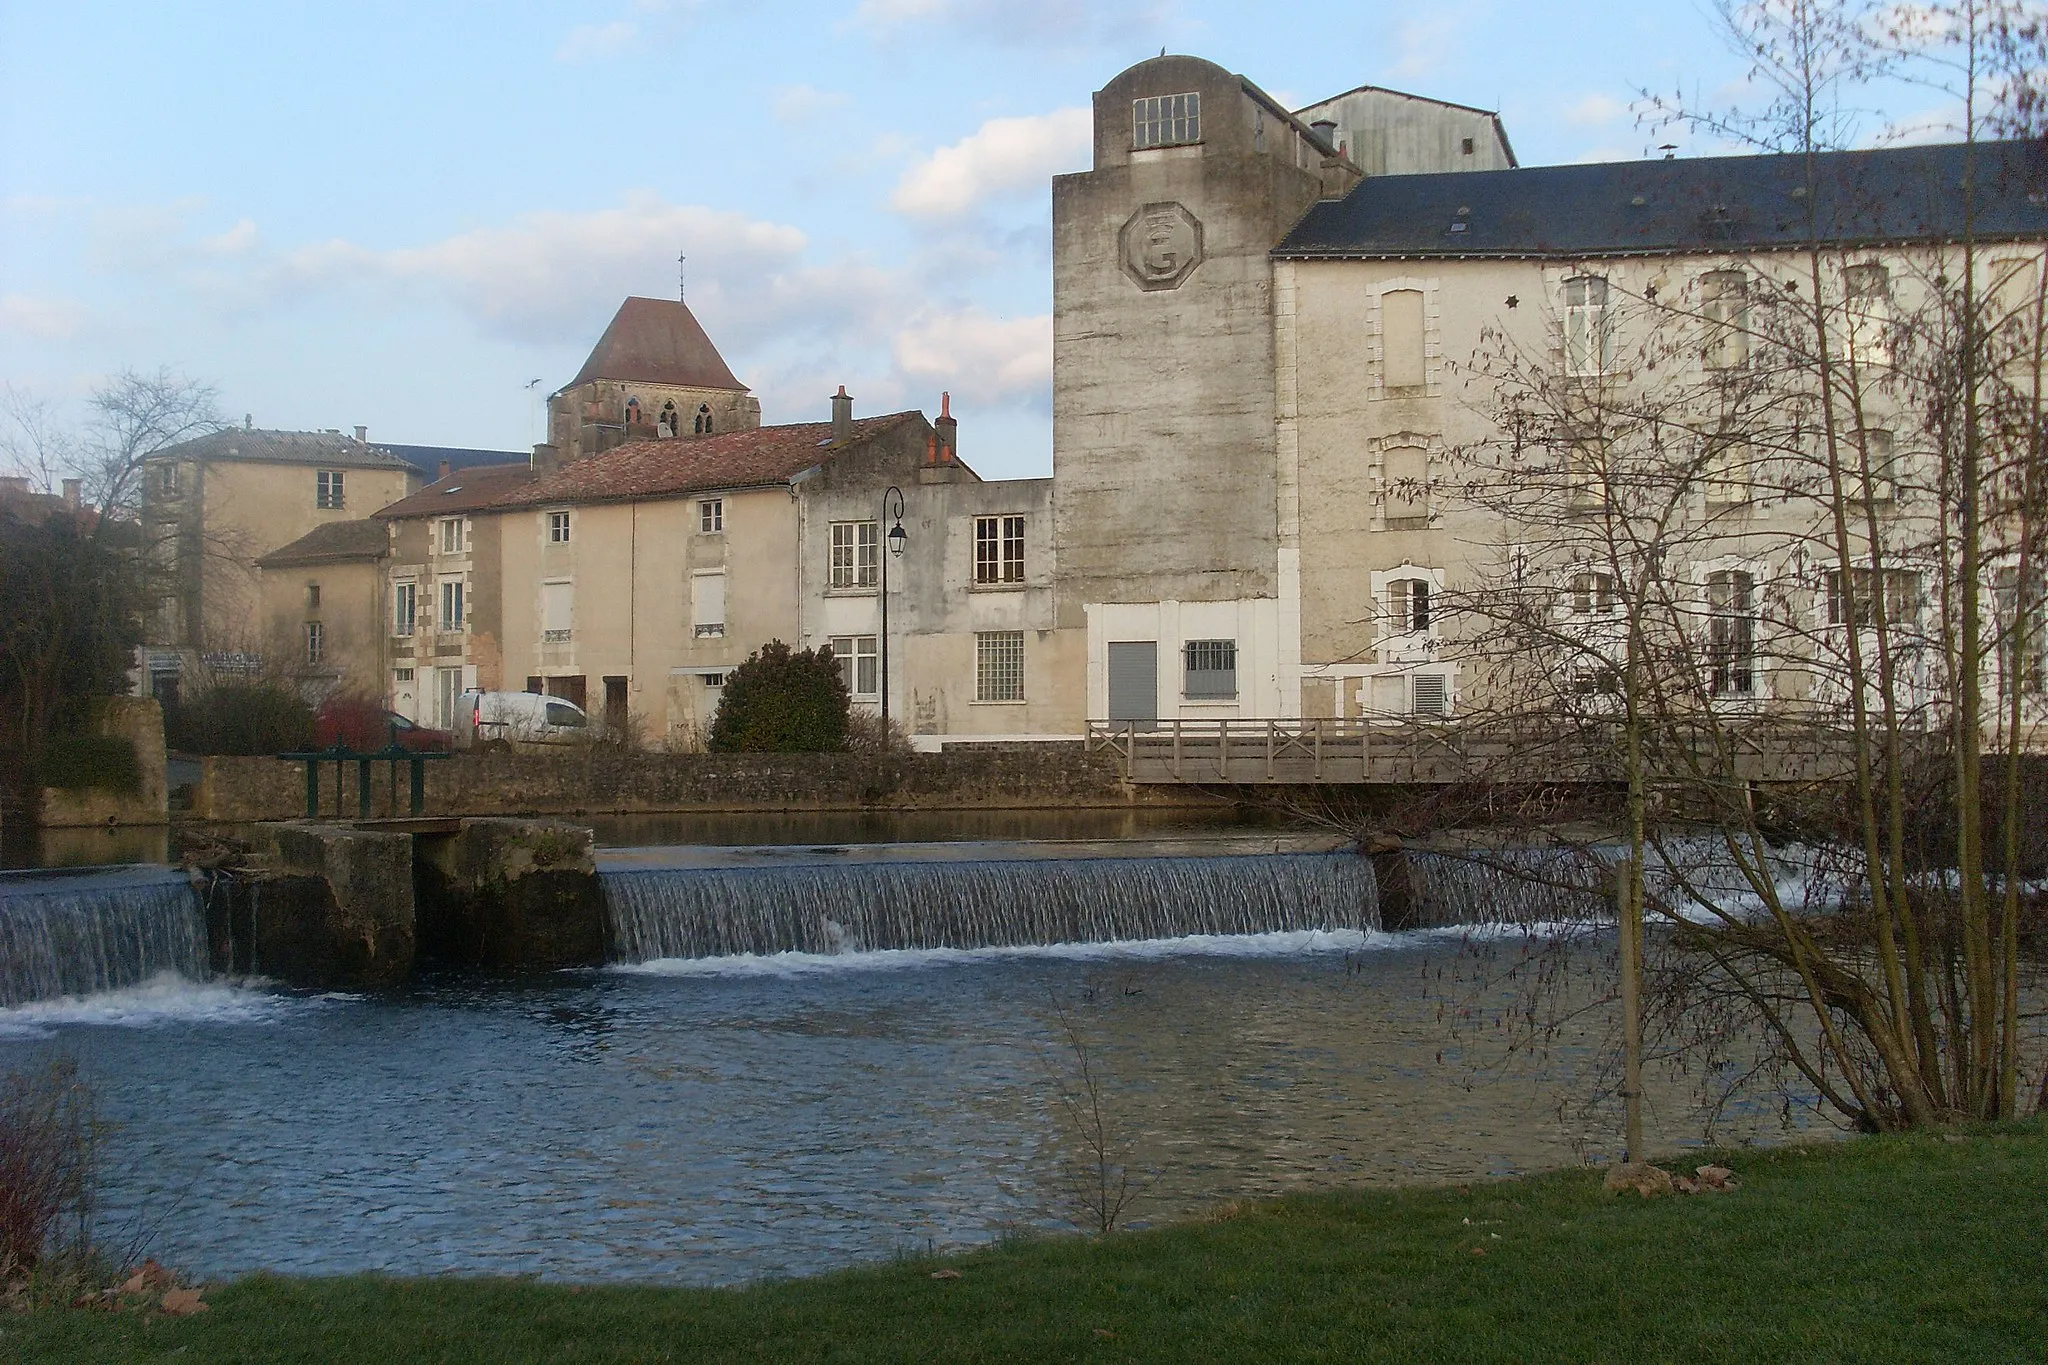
892, 510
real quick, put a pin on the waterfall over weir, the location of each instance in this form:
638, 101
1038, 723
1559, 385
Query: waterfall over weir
694, 903
74, 933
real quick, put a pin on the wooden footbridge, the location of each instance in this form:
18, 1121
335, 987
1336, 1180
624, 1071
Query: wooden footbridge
1312, 751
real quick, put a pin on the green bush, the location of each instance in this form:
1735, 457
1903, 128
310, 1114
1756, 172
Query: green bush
783, 701
78, 762
240, 718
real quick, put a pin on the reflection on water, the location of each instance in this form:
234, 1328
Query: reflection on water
711, 1122
24, 845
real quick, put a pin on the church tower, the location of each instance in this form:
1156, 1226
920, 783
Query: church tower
654, 375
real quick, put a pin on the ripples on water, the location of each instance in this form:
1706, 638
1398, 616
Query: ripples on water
719, 1120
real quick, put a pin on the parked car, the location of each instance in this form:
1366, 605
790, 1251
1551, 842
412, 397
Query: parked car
500, 720
366, 726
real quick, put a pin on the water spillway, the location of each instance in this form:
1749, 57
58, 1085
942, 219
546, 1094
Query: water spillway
699, 903
74, 933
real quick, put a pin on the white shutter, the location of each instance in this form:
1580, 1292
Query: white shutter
707, 603
557, 605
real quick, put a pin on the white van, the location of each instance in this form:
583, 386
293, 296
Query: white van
500, 720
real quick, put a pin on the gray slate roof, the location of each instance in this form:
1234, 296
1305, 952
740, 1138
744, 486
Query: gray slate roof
337, 540
427, 459
328, 450
1894, 195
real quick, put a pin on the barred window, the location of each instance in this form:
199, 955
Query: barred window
999, 665
1211, 670
1731, 646
327, 489
1166, 120
999, 549
853, 554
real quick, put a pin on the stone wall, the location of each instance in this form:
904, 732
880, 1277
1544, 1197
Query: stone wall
601, 781
141, 721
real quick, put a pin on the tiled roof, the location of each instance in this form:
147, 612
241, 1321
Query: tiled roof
1893, 195
328, 449
464, 490
361, 539
657, 341
427, 459
733, 459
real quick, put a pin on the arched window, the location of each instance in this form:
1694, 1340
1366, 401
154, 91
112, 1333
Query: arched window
668, 422
703, 423
632, 412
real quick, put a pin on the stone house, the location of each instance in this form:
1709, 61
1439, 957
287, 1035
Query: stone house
323, 609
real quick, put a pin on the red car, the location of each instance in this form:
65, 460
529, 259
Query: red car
367, 727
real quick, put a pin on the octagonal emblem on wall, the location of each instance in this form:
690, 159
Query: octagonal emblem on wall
1162, 245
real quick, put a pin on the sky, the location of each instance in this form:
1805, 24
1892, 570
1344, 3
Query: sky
418, 215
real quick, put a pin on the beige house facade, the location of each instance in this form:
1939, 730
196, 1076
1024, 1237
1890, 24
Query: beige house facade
322, 609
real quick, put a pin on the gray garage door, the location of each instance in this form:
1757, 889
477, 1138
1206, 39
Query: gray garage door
1134, 682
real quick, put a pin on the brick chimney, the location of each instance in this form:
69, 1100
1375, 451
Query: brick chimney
72, 489
947, 431
446, 470
842, 417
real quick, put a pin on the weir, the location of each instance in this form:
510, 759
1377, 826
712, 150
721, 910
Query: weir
694, 903
74, 933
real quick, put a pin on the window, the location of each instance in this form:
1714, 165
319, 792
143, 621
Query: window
669, 423
2022, 646
1166, 120
405, 607
1402, 359
557, 605
403, 675
1586, 476
1408, 604
711, 515
327, 489
999, 549
1724, 302
1731, 641
1431, 696
1884, 474
707, 603
1725, 473
1588, 327
1406, 476
857, 663
702, 424
999, 665
1211, 670
312, 597
1593, 594
1869, 290
454, 535
167, 480
558, 528
316, 642
535, 684
447, 696
632, 412
853, 554
1901, 597
1465, 146
451, 603
714, 679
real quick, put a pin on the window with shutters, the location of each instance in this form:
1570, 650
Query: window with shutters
857, 664
1403, 355
1166, 120
557, 605
1431, 695
1731, 642
998, 550
854, 562
999, 665
707, 604
1210, 672
1724, 303
1588, 327
1406, 480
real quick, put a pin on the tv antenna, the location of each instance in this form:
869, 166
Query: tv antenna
682, 278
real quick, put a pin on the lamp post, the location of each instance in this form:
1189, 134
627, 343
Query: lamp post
893, 498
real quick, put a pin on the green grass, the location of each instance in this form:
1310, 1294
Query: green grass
1916, 1248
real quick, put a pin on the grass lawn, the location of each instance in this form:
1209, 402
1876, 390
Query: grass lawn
1918, 1248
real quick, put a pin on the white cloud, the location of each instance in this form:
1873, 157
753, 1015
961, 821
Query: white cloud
592, 42
46, 319
235, 241
1422, 43
1594, 109
1003, 155
993, 358
797, 105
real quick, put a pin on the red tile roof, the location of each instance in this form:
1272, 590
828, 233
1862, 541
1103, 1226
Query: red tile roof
464, 490
679, 465
657, 341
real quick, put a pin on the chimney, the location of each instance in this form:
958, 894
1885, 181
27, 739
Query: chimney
546, 460
842, 417
446, 470
1326, 129
71, 492
248, 421
948, 431
362, 436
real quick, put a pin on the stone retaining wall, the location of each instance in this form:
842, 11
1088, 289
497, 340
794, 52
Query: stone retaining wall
606, 782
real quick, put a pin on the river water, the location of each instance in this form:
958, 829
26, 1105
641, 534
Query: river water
720, 1120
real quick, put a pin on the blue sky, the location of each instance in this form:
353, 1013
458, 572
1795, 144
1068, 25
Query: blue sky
400, 214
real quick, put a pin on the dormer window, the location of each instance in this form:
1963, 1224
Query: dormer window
1166, 120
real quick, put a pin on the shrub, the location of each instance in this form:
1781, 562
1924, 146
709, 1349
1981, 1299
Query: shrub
868, 733
76, 762
240, 718
783, 701
47, 1135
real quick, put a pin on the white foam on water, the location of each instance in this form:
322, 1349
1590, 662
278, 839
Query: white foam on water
1287, 944
165, 998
